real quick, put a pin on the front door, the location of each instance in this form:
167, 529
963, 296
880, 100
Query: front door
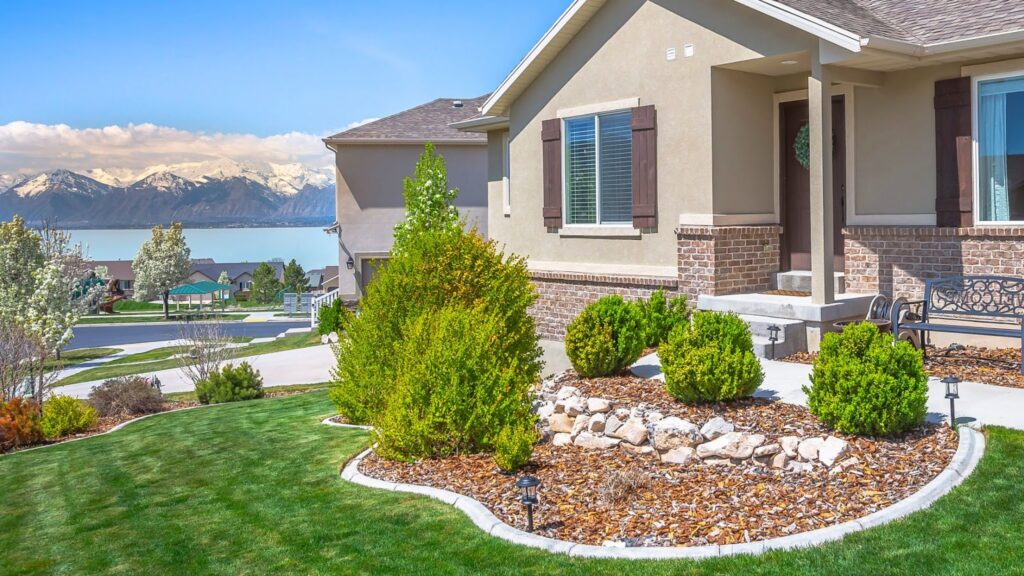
795, 183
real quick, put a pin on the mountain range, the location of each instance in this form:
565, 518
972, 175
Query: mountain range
219, 193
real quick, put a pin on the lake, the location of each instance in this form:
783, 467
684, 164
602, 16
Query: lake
311, 247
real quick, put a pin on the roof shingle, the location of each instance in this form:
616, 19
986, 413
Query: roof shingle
424, 123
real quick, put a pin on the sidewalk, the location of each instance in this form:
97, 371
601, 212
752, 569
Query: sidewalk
981, 403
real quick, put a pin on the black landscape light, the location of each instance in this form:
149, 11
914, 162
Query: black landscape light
528, 485
350, 263
952, 394
773, 337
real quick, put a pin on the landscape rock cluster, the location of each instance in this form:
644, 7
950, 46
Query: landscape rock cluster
566, 418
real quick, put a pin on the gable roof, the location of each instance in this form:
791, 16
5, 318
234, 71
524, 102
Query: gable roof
234, 269
424, 123
916, 27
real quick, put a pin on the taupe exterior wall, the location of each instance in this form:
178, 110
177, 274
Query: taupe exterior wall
370, 203
621, 54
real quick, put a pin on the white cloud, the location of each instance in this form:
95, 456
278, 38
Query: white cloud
27, 148
359, 123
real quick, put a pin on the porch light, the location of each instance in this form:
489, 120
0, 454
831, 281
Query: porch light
350, 263
528, 486
952, 394
773, 337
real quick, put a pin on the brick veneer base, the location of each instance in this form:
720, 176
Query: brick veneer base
563, 295
722, 260
898, 259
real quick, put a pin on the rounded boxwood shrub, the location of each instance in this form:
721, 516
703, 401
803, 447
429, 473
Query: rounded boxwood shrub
711, 359
514, 446
662, 314
230, 384
863, 384
19, 424
586, 337
64, 415
125, 396
456, 388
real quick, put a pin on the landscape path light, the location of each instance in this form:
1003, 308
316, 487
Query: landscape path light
952, 394
773, 337
528, 486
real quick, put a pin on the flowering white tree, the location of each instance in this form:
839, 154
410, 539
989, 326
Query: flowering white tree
428, 200
162, 263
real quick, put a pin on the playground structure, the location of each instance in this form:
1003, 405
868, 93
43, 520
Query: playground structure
114, 295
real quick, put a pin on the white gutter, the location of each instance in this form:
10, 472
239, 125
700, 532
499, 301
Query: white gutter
937, 48
815, 26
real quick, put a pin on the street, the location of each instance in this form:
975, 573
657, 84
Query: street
113, 335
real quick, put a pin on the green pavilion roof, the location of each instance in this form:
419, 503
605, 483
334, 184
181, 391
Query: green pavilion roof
197, 288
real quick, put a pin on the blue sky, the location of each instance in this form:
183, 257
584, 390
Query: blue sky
253, 67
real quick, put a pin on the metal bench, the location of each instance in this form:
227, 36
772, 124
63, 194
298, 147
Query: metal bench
970, 298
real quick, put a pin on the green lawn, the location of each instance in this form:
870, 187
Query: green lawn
75, 357
253, 488
140, 318
162, 361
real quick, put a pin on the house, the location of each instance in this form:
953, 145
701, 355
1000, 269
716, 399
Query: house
725, 148
371, 162
240, 273
119, 271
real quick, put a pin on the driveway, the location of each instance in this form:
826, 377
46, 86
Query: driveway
104, 335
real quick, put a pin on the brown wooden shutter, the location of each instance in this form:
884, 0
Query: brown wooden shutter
551, 134
954, 195
645, 167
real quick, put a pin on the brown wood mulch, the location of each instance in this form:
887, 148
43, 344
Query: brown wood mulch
695, 504
995, 366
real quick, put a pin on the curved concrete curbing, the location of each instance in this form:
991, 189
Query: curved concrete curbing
327, 422
969, 452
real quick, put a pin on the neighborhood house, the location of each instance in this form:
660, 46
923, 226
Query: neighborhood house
786, 160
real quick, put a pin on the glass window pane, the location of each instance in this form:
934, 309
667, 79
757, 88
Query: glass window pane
1001, 150
616, 182
580, 171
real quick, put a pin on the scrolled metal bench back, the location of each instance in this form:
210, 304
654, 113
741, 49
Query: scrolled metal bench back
976, 296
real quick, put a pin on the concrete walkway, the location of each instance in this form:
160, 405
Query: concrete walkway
981, 403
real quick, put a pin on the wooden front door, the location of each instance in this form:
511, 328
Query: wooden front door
795, 183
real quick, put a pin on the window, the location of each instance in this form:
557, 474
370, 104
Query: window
244, 285
599, 169
1000, 149
124, 284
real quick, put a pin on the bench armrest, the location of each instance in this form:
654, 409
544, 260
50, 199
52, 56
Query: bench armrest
899, 306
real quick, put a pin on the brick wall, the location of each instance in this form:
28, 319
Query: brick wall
563, 295
898, 259
721, 260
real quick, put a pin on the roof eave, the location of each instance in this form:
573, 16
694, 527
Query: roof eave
810, 24
481, 125
404, 141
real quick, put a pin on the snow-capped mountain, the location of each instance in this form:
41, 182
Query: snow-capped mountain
213, 193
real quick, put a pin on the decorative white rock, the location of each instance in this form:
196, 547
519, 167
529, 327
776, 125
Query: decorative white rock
673, 432
681, 456
588, 440
633, 431
790, 445
636, 450
808, 449
780, 460
716, 427
653, 417
580, 425
622, 414
598, 405
833, 449
767, 450
333, 338
612, 424
561, 439
596, 424
799, 467
734, 445
568, 392
546, 410
561, 423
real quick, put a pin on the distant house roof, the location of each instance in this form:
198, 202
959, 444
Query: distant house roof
198, 288
425, 123
116, 269
234, 269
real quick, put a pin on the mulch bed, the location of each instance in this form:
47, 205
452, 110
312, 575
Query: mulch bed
995, 366
696, 504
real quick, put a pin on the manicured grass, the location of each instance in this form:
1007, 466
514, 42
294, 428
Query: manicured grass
191, 396
253, 488
150, 356
113, 370
75, 357
135, 306
137, 319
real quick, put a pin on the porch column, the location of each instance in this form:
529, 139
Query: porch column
819, 100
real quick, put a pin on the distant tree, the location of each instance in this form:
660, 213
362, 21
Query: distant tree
428, 200
295, 279
224, 278
265, 284
162, 263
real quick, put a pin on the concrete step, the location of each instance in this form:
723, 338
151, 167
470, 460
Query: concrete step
800, 280
792, 336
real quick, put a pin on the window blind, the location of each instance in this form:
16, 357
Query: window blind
616, 166
581, 171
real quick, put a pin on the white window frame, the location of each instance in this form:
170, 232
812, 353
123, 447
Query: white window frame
976, 148
597, 172
506, 179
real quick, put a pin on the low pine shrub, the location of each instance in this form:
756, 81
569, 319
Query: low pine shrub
660, 315
585, 337
711, 359
19, 424
126, 396
332, 318
456, 388
514, 446
64, 415
863, 384
230, 384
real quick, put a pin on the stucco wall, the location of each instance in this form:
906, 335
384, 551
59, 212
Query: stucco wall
621, 54
370, 203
